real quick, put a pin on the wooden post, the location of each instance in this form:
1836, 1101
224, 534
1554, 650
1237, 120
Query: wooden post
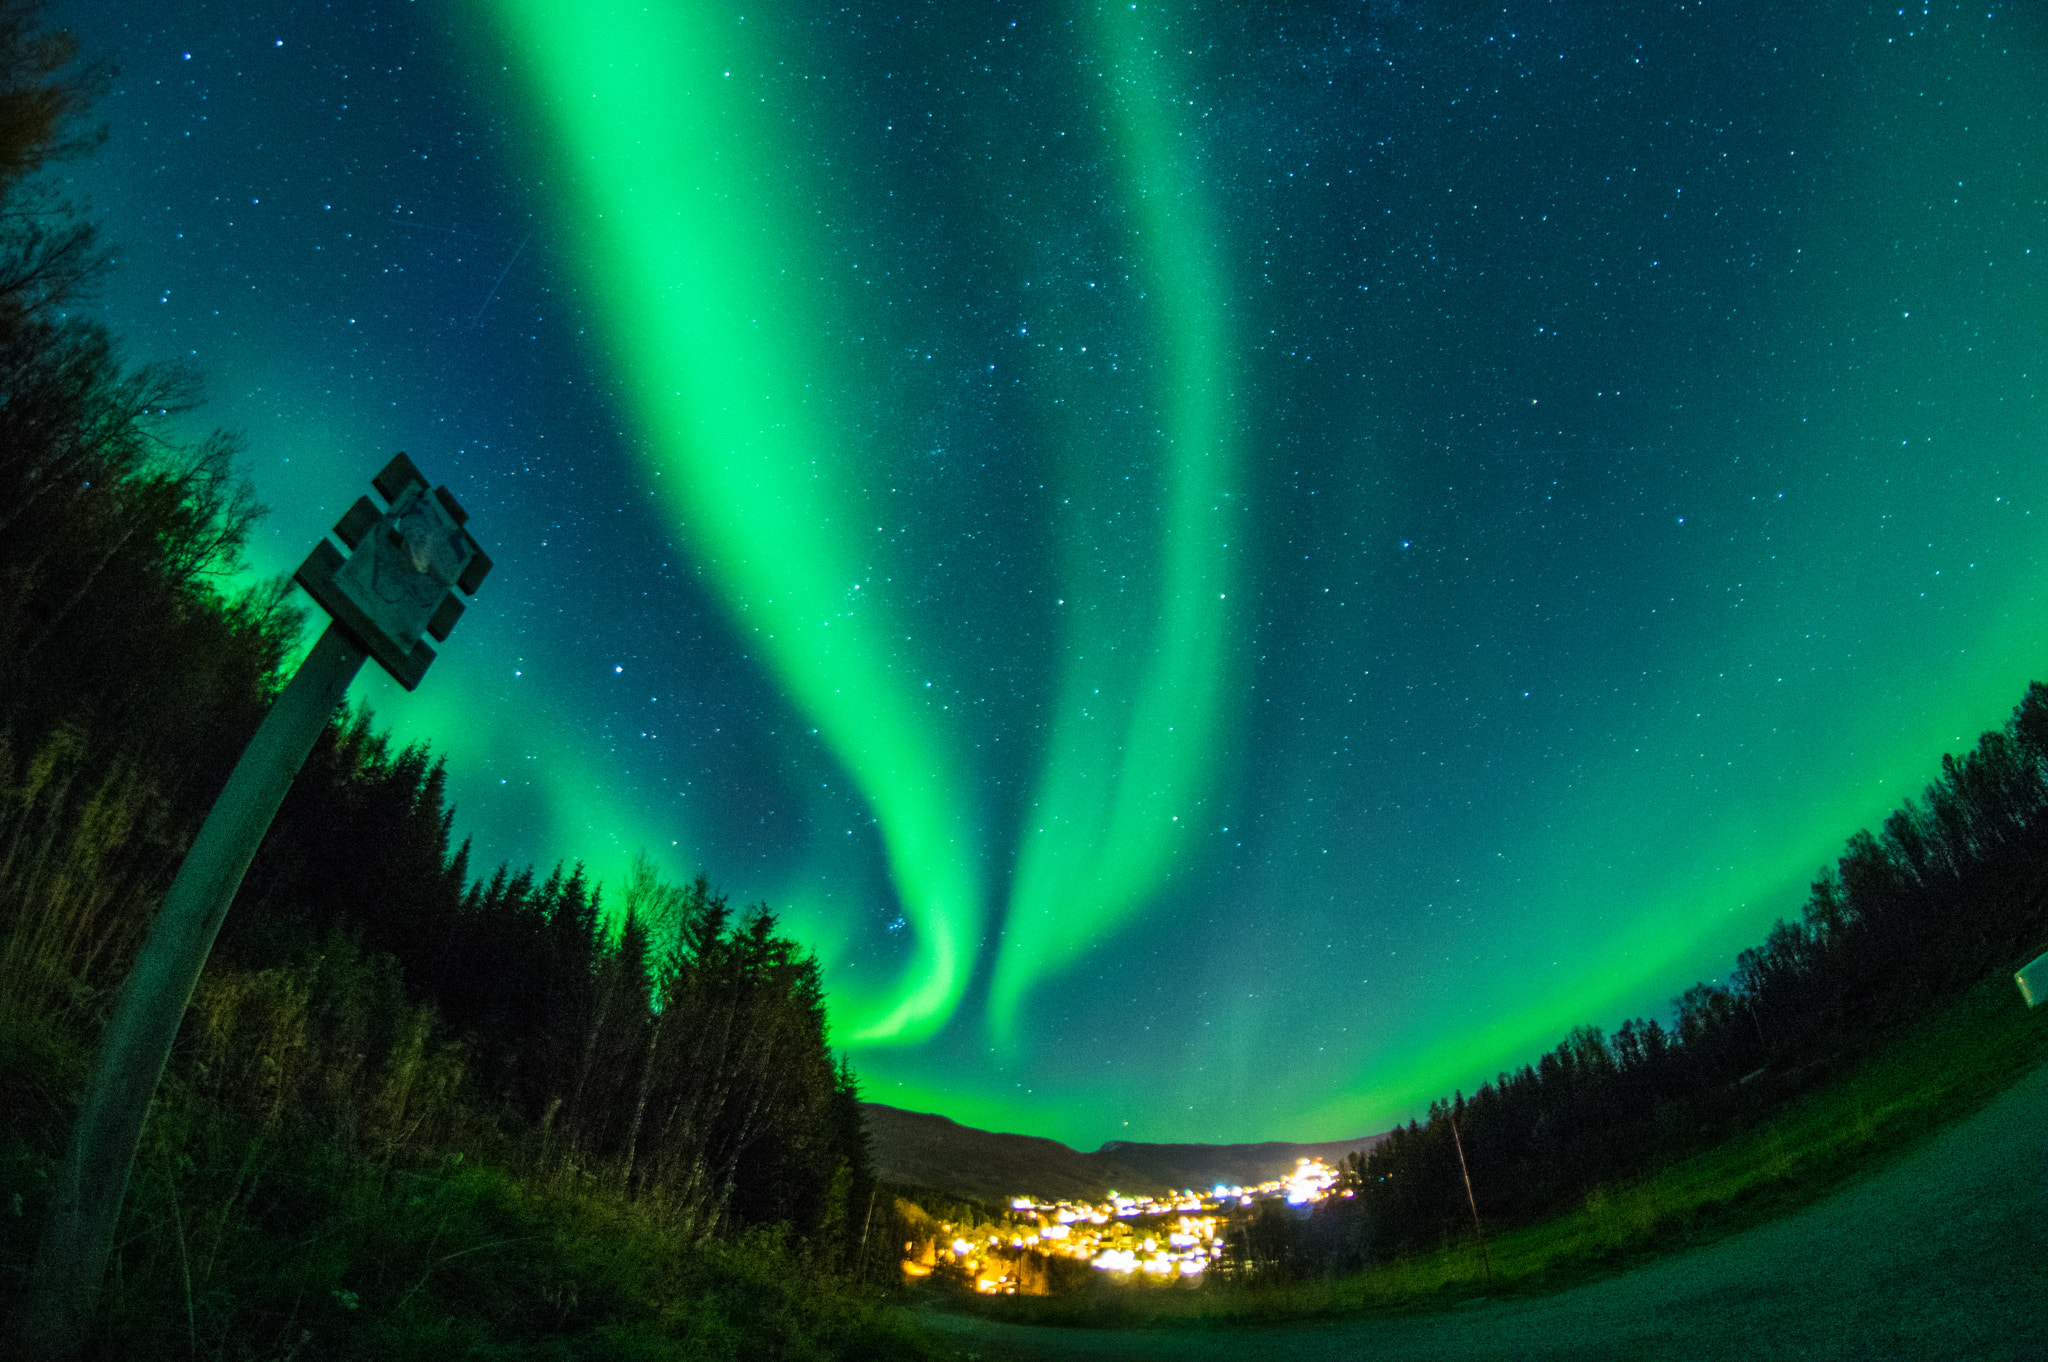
1473, 1202
406, 564
72, 1258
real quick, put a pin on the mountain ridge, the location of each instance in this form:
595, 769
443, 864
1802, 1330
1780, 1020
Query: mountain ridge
923, 1149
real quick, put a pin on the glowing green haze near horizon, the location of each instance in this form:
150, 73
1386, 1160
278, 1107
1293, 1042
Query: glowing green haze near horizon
1229, 572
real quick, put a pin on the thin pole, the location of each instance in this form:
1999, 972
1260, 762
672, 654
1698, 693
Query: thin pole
1473, 1202
869, 1220
72, 1259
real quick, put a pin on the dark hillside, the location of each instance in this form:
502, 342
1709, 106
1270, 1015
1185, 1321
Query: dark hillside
1235, 1165
917, 1149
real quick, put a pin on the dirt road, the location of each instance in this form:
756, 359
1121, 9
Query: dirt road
1940, 1254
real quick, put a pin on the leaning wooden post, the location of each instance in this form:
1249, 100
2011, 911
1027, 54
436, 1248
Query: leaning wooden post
382, 595
1473, 1202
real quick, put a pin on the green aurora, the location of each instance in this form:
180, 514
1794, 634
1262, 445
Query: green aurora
705, 318
659, 112
1229, 574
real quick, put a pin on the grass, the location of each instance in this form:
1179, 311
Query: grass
1889, 1100
259, 1228
321, 1257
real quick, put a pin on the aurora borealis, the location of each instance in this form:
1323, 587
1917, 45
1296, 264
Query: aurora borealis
1230, 569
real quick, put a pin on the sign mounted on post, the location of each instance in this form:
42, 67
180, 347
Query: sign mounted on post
406, 564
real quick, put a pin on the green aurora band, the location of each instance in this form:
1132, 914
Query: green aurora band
1140, 709
697, 258
693, 260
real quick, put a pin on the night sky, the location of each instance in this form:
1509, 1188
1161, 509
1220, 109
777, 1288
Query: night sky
1230, 569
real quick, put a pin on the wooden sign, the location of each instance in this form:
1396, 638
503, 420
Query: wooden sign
405, 565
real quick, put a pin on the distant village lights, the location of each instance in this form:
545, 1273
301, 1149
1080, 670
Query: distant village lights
1116, 1235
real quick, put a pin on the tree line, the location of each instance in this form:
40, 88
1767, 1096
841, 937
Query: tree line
1952, 888
677, 1045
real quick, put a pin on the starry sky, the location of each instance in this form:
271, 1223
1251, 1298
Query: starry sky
1230, 569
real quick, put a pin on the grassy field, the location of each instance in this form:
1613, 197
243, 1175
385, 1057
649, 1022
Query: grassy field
1883, 1104
342, 1262
269, 1241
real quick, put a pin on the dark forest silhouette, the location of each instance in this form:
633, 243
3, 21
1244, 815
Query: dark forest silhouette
381, 1038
